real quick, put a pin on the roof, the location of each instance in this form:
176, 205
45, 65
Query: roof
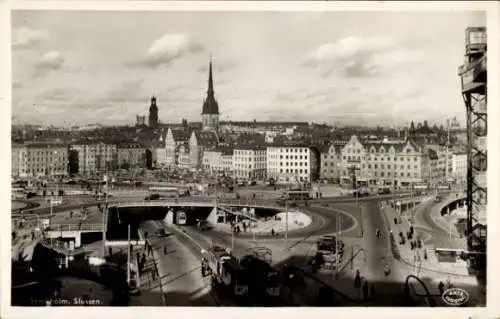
128, 145
206, 138
398, 145
45, 145
180, 135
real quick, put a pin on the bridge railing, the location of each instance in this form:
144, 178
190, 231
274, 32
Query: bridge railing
76, 227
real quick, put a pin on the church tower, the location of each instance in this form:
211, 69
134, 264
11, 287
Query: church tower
210, 111
153, 114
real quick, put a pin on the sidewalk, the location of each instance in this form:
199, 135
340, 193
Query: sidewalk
416, 257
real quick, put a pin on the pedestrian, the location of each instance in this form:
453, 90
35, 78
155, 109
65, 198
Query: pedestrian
244, 227
441, 287
395, 221
357, 279
365, 290
272, 232
165, 249
372, 291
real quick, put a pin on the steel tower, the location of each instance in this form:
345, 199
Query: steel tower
473, 76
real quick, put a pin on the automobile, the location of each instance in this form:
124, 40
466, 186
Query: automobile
152, 197
360, 193
204, 225
161, 232
382, 191
30, 195
253, 183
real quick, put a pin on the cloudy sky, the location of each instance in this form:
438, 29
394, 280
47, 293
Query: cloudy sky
335, 67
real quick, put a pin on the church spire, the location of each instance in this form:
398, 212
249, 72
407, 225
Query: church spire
210, 106
210, 91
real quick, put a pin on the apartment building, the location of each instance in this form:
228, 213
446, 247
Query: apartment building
249, 162
95, 157
218, 161
131, 154
293, 163
330, 163
173, 140
384, 162
459, 167
39, 160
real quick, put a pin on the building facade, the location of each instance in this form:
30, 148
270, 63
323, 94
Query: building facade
250, 162
95, 157
173, 140
330, 163
183, 156
291, 164
459, 167
199, 142
40, 160
131, 155
218, 161
386, 163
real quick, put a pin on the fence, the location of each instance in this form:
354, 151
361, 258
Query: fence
77, 227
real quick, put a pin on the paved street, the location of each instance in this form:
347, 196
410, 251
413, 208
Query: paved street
179, 270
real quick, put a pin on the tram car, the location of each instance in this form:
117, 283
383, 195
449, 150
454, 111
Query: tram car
225, 272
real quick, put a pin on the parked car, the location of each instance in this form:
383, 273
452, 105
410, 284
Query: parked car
152, 197
385, 190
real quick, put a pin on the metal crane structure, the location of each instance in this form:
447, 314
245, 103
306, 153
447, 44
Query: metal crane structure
474, 91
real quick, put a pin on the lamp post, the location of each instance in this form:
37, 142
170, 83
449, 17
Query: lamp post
128, 254
286, 222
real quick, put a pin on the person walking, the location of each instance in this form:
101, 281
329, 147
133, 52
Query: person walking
365, 290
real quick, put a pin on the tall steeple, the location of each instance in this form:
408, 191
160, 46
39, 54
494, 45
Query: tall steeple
153, 113
210, 110
210, 91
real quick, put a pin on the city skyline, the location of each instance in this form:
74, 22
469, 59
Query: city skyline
370, 67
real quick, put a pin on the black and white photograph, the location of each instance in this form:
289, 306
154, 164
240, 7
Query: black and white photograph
248, 158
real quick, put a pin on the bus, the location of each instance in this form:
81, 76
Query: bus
181, 218
296, 195
164, 191
18, 193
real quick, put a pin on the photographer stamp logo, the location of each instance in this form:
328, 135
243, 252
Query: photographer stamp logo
455, 297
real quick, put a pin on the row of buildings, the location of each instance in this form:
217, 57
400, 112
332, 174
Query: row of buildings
374, 162
285, 152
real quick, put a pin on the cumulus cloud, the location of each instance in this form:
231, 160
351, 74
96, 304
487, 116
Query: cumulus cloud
26, 37
358, 57
50, 61
168, 48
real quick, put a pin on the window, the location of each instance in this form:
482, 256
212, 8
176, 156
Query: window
388, 166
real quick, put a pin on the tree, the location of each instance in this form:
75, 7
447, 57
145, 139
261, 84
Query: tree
412, 126
426, 124
419, 125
